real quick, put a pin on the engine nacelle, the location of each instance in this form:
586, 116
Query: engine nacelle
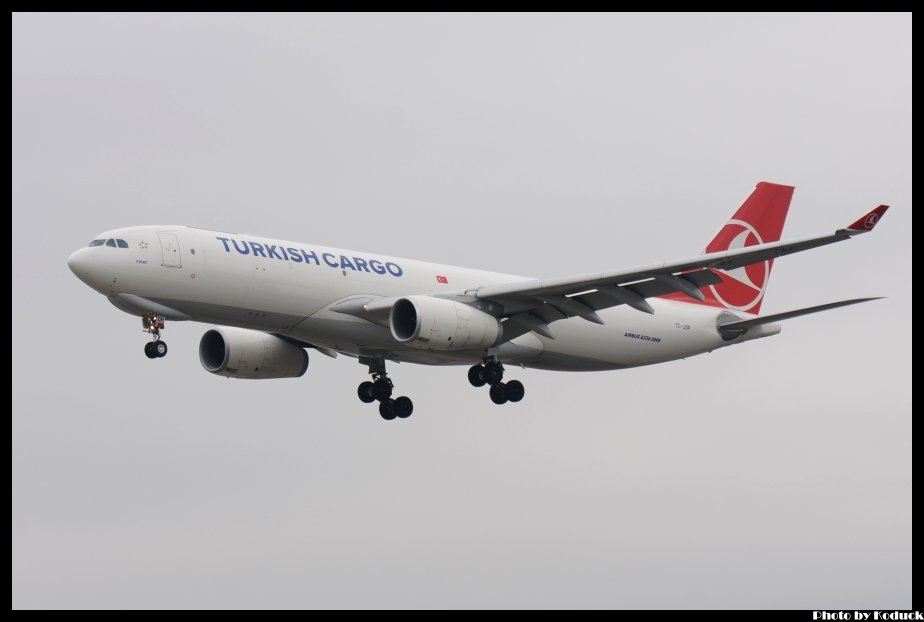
439, 324
242, 353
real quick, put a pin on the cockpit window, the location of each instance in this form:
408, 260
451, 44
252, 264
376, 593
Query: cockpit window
113, 242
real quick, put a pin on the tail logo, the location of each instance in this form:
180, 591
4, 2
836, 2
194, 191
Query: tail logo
871, 220
741, 288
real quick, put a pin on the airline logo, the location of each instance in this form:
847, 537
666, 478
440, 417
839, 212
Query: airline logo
300, 255
741, 288
870, 220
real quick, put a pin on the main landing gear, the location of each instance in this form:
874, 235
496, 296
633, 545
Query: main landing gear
381, 389
492, 373
153, 324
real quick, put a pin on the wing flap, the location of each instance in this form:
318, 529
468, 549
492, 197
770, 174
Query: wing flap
651, 288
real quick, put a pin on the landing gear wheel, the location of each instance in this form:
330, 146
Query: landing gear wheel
366, 392
514, 391
149, 350
160, 349
383, 389
476, 376
387, 410
493, 373
498, 393
403, 407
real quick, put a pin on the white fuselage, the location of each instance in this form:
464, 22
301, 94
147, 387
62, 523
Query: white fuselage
288, 288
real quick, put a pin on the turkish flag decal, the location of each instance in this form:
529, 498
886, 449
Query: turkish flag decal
442, 279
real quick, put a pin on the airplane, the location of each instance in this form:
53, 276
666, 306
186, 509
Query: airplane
274, 300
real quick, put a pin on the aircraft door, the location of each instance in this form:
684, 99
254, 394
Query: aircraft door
170, 250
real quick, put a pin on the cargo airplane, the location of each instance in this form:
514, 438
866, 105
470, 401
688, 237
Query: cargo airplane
274, 300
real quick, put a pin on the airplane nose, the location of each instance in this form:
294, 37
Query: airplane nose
77, 262
86, 268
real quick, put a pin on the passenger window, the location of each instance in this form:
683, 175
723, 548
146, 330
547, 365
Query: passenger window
97, 243
122, 243
110, 242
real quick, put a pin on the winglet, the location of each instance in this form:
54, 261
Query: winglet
868, 221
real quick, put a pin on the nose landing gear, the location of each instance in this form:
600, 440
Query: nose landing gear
492, 373
153, 324
381, 389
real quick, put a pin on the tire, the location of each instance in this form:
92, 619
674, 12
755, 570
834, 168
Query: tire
493, 373
149, 350
366, 392
514, 391
403, 407
499, 393
476, 376
160, 349
387, 410
383, 390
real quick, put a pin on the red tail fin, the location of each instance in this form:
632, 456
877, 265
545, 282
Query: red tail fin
758, 221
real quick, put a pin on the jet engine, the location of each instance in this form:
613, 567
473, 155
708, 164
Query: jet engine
242, 353
440, 324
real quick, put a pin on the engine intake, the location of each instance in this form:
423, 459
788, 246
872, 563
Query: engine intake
439, 324
242, 353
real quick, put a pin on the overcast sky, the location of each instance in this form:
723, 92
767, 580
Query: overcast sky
774, 474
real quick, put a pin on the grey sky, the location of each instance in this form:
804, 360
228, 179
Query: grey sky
774, 474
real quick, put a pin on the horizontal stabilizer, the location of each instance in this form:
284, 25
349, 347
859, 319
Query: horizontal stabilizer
738, 327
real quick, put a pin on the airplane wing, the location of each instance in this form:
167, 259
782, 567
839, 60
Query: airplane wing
535, 304
531, 305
